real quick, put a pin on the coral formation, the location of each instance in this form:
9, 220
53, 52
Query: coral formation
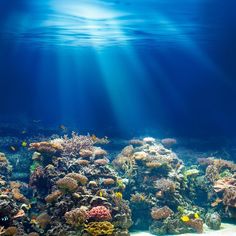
99, 228
100, 213
161, 213
75, 189
77, 217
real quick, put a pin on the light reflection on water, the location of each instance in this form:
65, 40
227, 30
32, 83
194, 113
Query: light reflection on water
93, 22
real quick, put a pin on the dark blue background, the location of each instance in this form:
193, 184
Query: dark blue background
203, 103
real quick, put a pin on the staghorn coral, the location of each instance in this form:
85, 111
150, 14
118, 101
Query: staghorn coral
72, 146
99, 228
99, 213
161, 213
67, 184
76, 217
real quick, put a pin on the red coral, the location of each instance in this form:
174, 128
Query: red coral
100, 213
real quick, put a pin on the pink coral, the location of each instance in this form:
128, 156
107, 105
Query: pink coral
100, 213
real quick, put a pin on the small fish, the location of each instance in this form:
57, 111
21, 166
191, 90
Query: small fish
185, 218
63, 128
36, 121
94, 137
24, 132
5, 218
216, 202
100, 193
24, 144
13, 148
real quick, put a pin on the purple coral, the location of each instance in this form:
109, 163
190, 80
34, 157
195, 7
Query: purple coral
73, 145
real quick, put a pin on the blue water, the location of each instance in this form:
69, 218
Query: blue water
120, 67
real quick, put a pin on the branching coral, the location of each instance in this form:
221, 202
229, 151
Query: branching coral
72, 146
99, 228
161, 213
76, 217
100, 213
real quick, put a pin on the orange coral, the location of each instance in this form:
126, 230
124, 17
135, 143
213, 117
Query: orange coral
108, 181
82, 179
67, 184
20, 214
18, 196
11, 231
43, 220
82, 162
50, 147
53, 196
101, 162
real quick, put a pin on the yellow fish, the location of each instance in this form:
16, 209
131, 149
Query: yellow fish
94, 138
100, 193
185, 218
196, 216
24, 144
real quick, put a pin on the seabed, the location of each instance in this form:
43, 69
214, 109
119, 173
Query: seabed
226, 230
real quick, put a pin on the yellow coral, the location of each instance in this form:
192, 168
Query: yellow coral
99, 228
185, 218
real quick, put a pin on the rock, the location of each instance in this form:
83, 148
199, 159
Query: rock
213, 220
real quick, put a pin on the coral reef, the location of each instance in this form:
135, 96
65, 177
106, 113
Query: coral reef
161, 213
99, 228
100, 213
74, 189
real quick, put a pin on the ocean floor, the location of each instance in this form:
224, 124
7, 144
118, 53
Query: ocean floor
226, 230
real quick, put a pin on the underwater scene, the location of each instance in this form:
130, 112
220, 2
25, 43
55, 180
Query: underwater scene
117, 117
